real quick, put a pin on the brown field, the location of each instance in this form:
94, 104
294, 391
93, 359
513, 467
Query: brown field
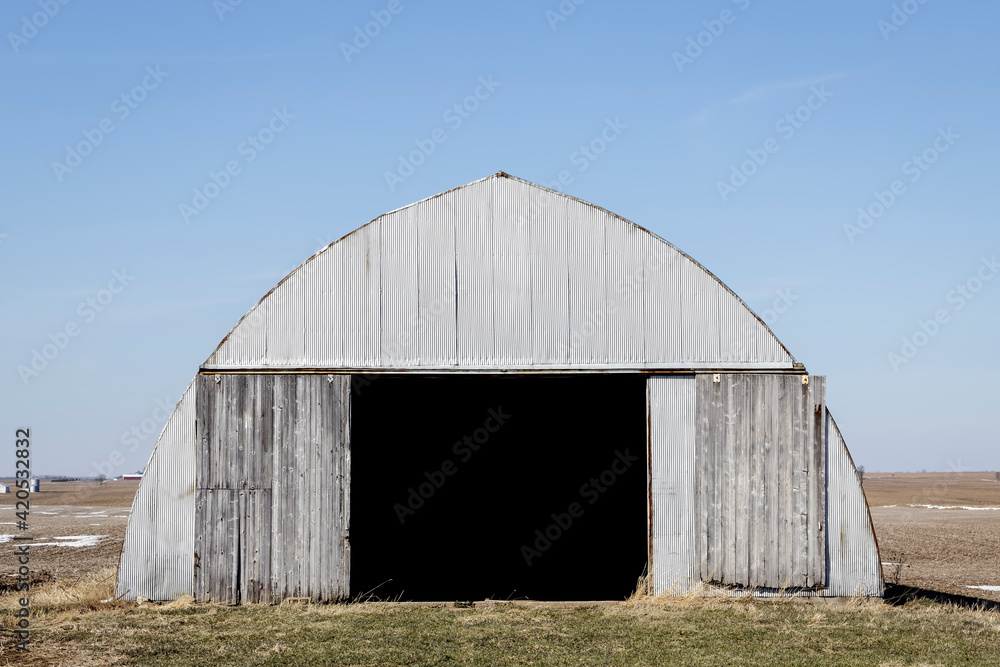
83, 510
940, 549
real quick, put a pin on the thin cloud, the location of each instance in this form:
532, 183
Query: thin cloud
766, 89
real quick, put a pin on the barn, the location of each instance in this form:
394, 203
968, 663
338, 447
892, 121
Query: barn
499, 392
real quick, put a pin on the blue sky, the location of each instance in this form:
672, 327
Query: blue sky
833, 100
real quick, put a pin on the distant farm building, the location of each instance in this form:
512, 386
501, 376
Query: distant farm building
4, 488
131, 477
499, 392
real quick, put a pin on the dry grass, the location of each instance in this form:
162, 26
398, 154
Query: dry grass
72, 624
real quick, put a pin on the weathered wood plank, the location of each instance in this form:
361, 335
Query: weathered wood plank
727, 412
344, 488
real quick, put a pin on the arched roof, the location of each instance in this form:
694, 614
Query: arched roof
500, 274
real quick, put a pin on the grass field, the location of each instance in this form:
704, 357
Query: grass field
71, 626
946, 549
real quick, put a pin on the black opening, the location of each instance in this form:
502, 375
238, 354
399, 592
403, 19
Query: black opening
476, 487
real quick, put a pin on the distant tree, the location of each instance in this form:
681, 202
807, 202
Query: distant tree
101, 478
998, 476
861, 474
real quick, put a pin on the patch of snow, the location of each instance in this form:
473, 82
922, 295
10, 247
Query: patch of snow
891, 563
954, 507
6, 538
986, 588
73, 541
53, 513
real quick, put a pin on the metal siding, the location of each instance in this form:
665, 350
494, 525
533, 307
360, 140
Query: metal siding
157, 555
512, 315
671, 418
547, 223
362, 318
400, 335
626, 311
436, 279
323, 309
474, 259
699, 314
588, 286
506, 275
854, 564
661, 283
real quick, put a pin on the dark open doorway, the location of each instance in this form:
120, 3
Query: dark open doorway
473, 487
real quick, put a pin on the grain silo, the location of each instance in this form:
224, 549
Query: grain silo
500, 391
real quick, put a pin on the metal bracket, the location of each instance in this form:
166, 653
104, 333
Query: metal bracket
805, 379
716, 378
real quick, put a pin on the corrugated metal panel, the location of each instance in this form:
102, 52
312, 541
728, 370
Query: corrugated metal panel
400, 334
854, 564
157, 555
624, 270
512, 316
671, 416
547, 219
437, 298
537, 280
324, 307
362, 318
661, 280
588, 286
474, 260
700, 335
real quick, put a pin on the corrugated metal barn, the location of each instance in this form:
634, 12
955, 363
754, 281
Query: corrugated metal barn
499, 392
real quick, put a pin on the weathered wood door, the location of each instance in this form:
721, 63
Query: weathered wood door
737, 480
760, 480
272, 485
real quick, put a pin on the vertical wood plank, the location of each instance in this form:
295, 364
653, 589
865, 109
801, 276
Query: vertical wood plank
344, 489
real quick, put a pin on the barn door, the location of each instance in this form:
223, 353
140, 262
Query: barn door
737, 481
272, 485
760, 480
